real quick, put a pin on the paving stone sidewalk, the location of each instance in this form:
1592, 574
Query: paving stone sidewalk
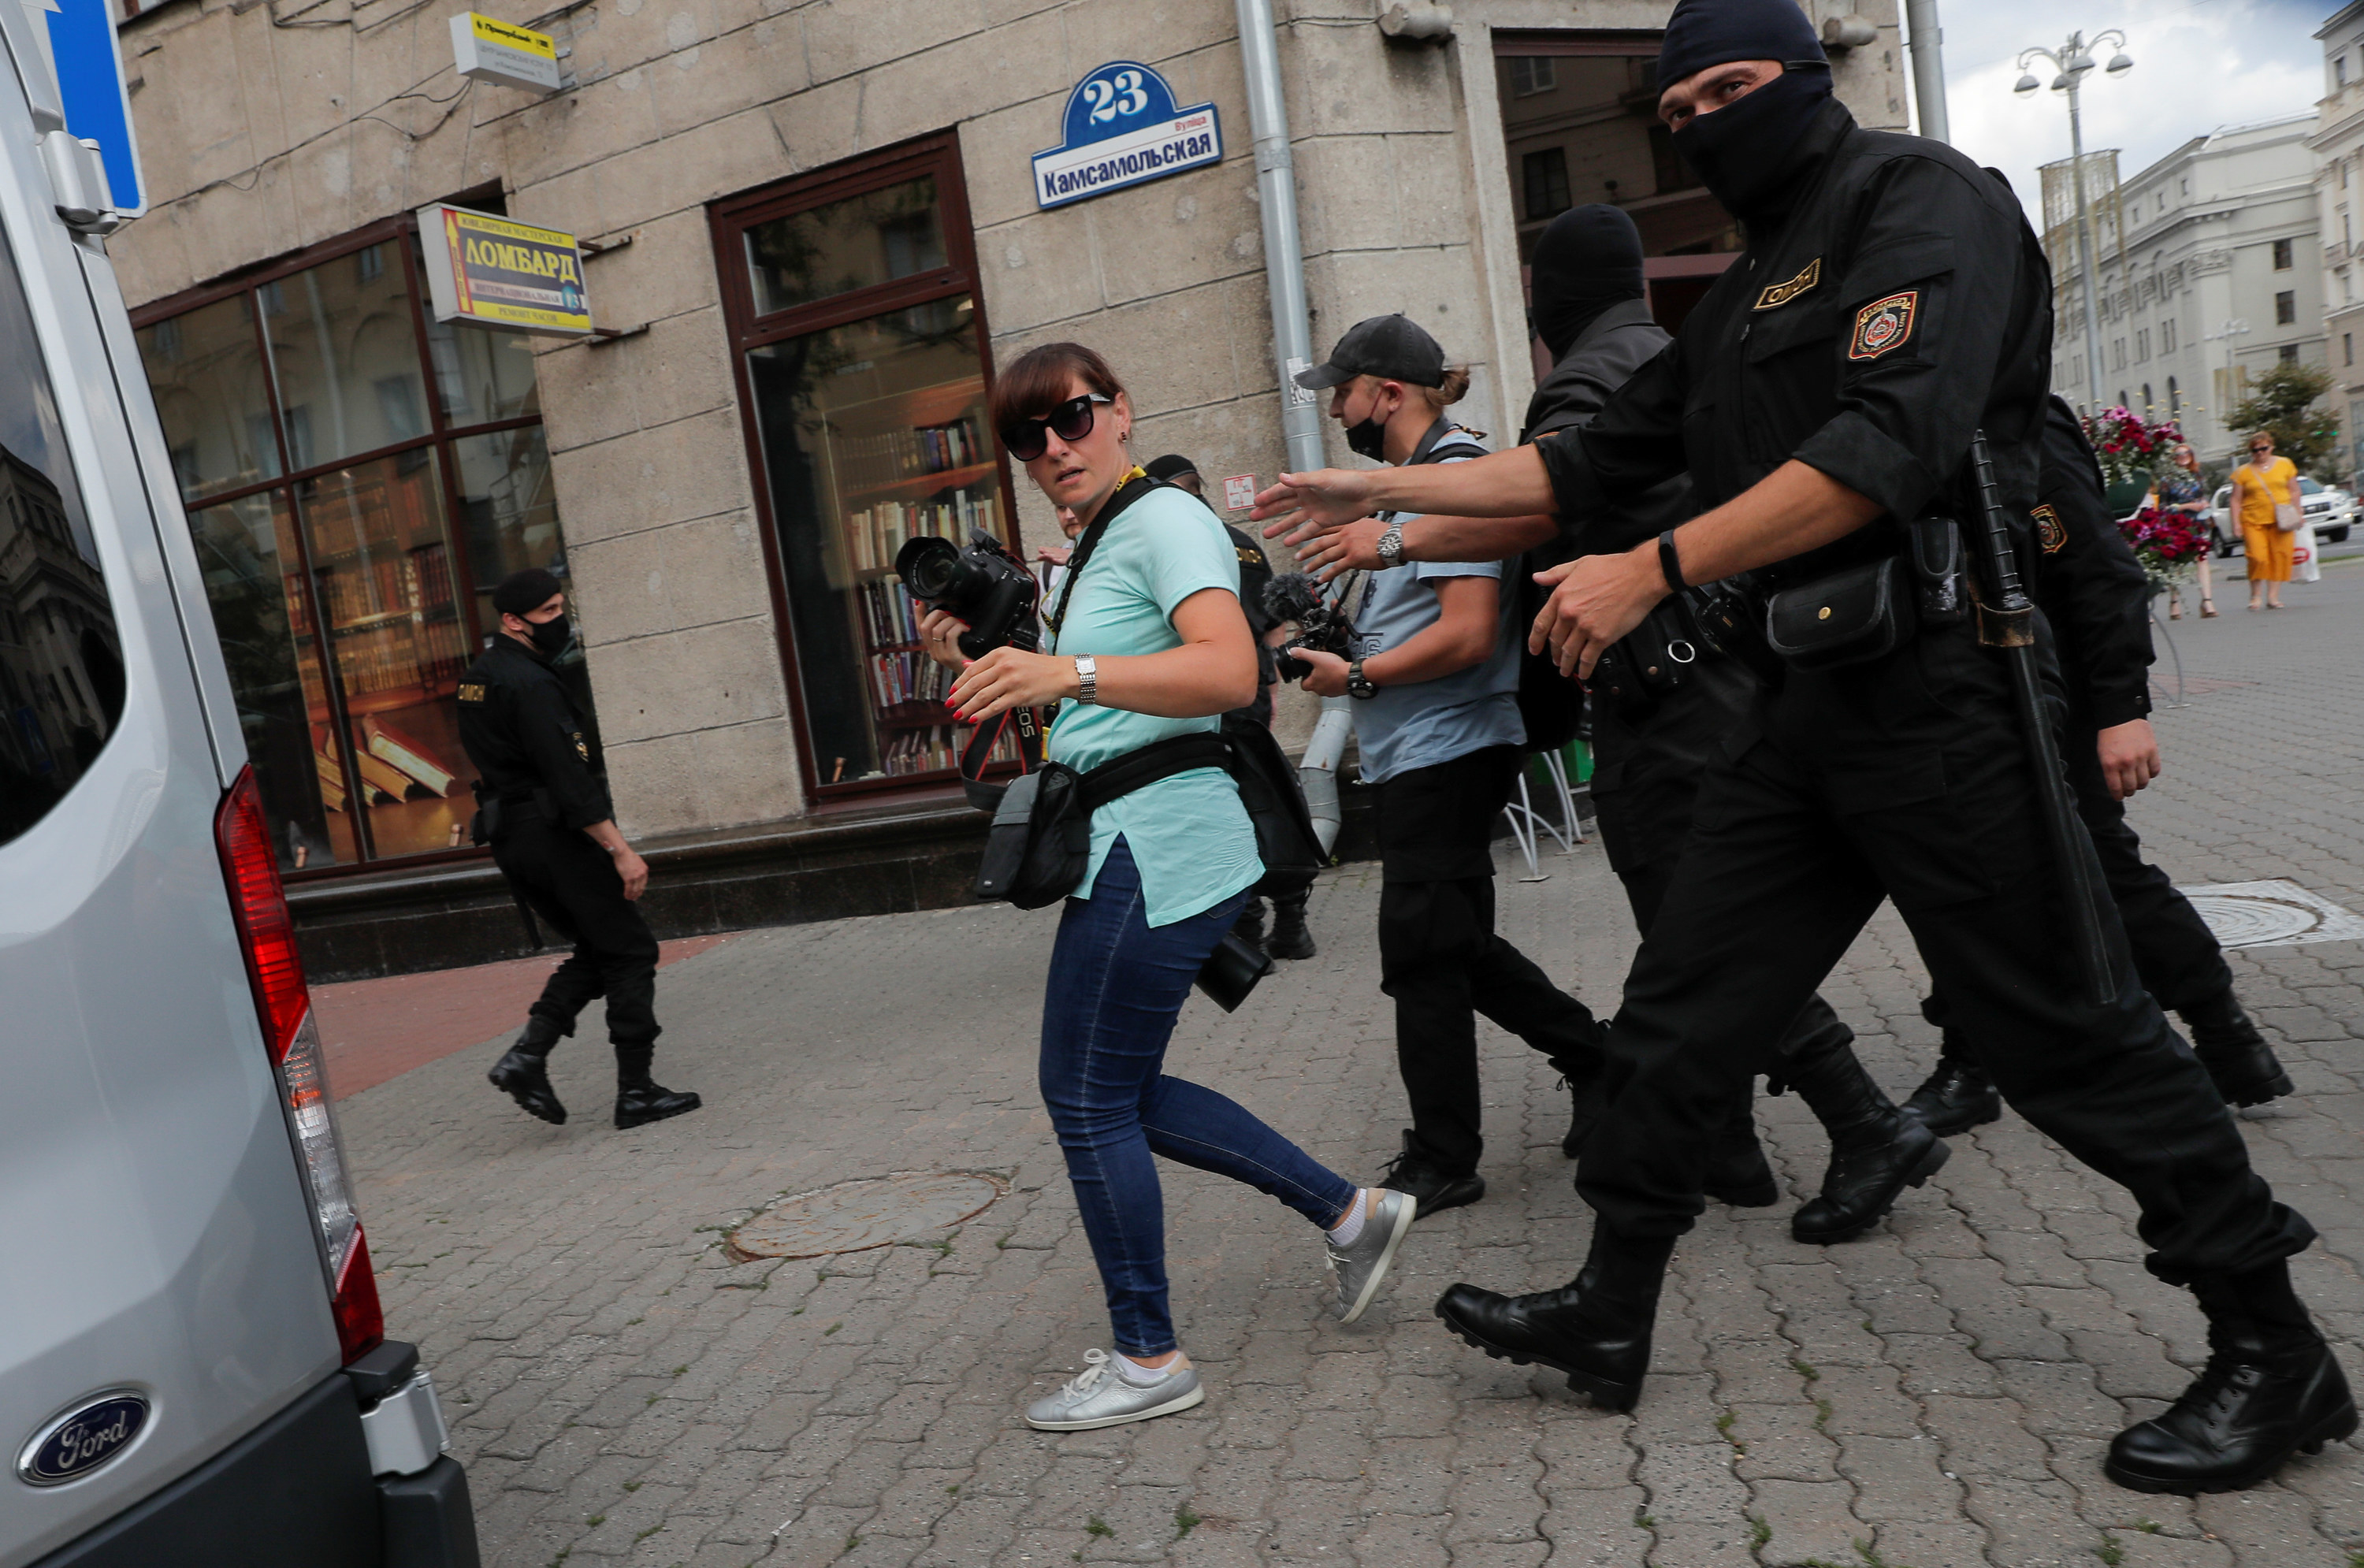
1934, 1395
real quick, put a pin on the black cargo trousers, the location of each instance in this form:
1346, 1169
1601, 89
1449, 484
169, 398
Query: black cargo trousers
1648, 773
572, 885
1440, 959
1905, 778
2176, 956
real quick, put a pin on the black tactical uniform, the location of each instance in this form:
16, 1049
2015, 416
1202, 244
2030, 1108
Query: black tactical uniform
2092, 590
1289, 938
1892, 303
1649, 757
541, 782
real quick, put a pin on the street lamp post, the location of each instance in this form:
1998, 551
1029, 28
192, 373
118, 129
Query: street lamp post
2072, 60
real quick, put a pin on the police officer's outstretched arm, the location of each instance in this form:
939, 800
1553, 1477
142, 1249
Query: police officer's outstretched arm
546, 725
1932, 263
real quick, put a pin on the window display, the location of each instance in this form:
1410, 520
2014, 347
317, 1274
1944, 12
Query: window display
350, 592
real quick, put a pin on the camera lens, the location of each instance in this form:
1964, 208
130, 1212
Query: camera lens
928, 566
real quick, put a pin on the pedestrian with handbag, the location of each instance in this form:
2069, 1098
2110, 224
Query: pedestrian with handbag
2266, 504
2183, 490
1151, 645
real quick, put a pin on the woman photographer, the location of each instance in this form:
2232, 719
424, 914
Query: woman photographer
1150, 643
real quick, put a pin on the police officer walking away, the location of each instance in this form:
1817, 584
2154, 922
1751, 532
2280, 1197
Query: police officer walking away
545, 809
1825, 397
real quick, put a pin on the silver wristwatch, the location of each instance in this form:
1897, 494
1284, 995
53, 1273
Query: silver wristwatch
1391, 546
1087, 680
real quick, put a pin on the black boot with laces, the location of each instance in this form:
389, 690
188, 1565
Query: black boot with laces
2243, 1066
523, 1073
1957, 1096
1417, 1172
641, 1099
1595, 1329
1876, 1150
2271, 1389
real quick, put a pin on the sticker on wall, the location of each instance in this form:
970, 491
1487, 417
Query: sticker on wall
1122, 129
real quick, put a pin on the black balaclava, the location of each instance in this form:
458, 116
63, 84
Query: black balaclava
1587, 260
520, 594
1746, 152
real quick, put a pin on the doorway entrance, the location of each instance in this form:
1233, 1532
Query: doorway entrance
1580, 125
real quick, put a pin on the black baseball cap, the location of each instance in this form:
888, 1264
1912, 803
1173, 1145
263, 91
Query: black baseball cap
1394, 347
1173, 465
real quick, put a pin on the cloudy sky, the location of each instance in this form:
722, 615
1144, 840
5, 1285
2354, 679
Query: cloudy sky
2198, 64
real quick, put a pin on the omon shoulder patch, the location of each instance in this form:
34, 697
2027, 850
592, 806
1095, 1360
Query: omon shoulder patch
1782, 294
1884, 324
2049, 530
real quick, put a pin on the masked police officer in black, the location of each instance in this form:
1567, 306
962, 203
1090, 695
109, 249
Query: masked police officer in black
1653, 742
2092, 591
544, 794
1891, 303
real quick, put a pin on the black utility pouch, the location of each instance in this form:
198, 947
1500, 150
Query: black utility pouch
1639, 670
1040, 840
1941, 587
1848, 617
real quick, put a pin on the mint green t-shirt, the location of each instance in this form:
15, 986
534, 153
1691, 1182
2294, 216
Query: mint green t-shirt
1189, 834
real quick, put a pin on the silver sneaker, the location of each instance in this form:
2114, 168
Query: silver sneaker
1363, 1262
1097, 1396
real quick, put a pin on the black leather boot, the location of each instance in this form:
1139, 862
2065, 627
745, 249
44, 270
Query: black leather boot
1417, 1172
1737, 1173
1957, 1096
1876, 1150
2271, 1389
1290, 938
1249, 926
641, 1099
524, 1072
1595, 1329
2244, 1066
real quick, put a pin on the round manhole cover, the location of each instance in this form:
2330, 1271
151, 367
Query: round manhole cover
2249, 919
854, 1215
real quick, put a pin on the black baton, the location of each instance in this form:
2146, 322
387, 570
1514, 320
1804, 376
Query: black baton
2009, 624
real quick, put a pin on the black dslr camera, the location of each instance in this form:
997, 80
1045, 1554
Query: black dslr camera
1320, 625
983, 585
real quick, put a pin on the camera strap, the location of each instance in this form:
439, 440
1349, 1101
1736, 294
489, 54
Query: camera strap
1024, 726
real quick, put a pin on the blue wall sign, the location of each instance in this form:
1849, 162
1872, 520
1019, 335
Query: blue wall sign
1123, 129
97, 103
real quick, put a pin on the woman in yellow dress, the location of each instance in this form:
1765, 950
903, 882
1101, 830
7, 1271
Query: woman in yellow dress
2259, 486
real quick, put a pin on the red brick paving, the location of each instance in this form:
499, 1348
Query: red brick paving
377, 1029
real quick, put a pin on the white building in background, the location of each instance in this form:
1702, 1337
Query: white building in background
2220, 230
2338, 145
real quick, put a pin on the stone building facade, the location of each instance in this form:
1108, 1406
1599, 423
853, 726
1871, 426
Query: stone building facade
2338, 147
2221, 230
712, 154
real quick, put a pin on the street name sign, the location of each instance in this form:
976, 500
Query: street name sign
1122, 129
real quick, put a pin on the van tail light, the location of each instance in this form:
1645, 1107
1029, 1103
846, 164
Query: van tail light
267, 935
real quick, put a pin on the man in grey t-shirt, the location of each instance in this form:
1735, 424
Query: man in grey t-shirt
1436, 679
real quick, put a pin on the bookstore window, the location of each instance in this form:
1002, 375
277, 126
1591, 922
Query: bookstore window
357, 478
861, 360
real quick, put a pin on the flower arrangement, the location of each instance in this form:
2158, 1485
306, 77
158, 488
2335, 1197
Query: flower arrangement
2127, 445
2170, 545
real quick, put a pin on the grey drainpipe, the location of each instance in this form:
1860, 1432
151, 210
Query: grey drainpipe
1284, 252
1300, 411
1927, 41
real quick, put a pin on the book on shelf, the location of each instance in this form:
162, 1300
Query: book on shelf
381, 777
868, 462
875, 535
391, 745
332, 781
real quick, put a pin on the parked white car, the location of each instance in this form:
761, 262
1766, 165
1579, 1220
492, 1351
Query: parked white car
2330, 509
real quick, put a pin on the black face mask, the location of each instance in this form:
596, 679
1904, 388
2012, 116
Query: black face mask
1368, 440
551, 637
1747, 152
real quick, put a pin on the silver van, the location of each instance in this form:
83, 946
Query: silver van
194, 1370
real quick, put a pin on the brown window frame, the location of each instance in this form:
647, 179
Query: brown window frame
442, 435
729, 219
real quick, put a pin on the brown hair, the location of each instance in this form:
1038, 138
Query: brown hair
1452, 390
1036, 381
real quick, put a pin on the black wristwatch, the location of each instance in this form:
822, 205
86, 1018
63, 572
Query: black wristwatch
1357, 684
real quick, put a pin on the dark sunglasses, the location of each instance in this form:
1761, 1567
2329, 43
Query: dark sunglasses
1071, 422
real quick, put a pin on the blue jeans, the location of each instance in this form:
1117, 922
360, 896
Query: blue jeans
1115, 986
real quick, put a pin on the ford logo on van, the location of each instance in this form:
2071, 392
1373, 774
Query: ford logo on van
84, 1438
